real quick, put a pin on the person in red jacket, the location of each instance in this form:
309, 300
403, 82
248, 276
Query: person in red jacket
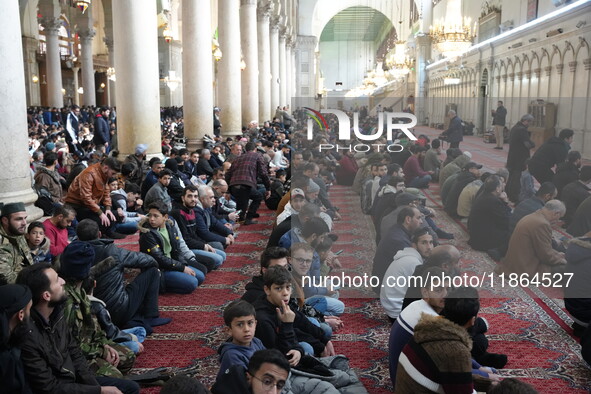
414, 174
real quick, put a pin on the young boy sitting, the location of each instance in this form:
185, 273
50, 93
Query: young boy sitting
279, 327
161, 239
38, 243
241, 323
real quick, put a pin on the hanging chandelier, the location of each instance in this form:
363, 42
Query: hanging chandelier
453, 34
397, 61
82, 5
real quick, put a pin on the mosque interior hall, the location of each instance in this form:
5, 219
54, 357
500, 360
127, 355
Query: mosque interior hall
221, 68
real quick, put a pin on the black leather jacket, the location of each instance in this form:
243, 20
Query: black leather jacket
151, 243
109, 265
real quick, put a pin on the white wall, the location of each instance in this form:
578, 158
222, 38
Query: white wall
346, 62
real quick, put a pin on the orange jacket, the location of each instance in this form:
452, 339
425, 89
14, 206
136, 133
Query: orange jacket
90, 189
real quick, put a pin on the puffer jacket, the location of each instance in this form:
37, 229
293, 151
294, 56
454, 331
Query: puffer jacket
108, 270
53, 360
343, 379
50, 180
90, 189
552, 152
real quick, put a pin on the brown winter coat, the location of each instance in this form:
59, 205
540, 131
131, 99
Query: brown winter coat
50, 180
90, 189
530, 248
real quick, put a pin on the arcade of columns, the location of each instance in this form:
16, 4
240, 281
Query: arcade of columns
260, 32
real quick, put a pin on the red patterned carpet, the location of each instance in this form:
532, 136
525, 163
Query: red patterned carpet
527, 324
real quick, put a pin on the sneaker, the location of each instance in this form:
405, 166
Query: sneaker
578, 329
248, 222
159, 321
499, 147
256, 215
116, 235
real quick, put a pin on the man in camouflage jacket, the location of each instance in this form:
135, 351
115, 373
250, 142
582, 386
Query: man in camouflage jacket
105, 357
14, 251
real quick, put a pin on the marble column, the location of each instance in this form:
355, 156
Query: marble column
110, 83
288, 71
76, 85
15, 179
282, 69
229, 85
274, 44
30, 48
86, 36
294, 89
250, 49
55, 97
136, 62
263, 13
423, 54
197, 72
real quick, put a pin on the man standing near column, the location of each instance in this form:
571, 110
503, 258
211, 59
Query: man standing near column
520, 146
72, 128
102, 132
499, 116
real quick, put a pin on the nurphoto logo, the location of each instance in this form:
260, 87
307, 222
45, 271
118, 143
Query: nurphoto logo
384, 118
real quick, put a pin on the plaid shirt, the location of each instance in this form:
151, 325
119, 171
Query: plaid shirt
245, 169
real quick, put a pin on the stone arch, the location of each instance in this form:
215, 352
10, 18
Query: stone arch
517, 67
535, 60
583, 44
525, 63
555, 52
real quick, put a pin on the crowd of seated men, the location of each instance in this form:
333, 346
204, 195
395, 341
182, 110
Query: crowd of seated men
67, 276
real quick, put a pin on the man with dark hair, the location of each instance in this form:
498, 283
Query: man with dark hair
551, 153
403, 266
575, 193
270, 257
242, 179
73, 128
56, 228
293, 222
432, 162
520, 145
185, 216
152, 176
14, 250
567, 171
395, 239
159, 191
15, 310
51, 356
499, 116
47, 177
488, 223
414, 174
267, 372
469, 174
287, 330
136, 301
102, 134
438, 353
90, 195
138, 161
183, 384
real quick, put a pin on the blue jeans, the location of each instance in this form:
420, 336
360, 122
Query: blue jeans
327, 305
324, 326
181, 283
308, 349
420, 182
210, 259
140, 333
126, 228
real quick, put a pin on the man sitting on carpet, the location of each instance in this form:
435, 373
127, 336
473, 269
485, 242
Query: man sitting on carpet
207, 227
530, 248
403, 265
136, 301
56, 228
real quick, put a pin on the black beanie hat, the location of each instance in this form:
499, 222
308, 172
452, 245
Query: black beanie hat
76, 260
